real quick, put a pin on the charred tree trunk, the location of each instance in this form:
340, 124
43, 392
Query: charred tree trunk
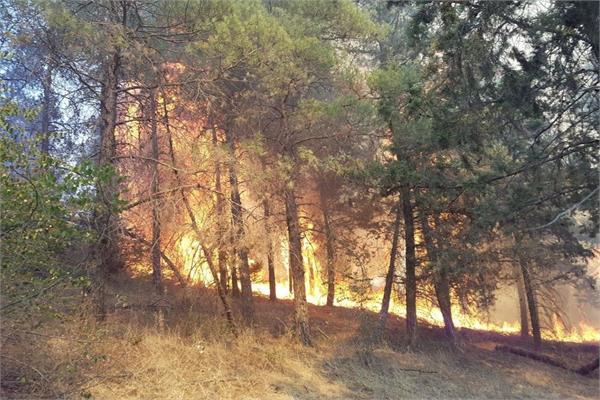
270, 259
297, 267
220, 202
389, 278
411, 263
238, 225
533, 309
329, 246
440, 280
522, 303
155, 188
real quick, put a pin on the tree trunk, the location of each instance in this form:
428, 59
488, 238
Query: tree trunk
389, 278
220, 202
238, 226
235, 287
589, 367
329, 246
107, 221
531, 302
135, 236
192, 217
46, 109
522, 303
155, 188
534, 356
297, 268
410, 280
270, 259
220, 292
290, 280
440, 279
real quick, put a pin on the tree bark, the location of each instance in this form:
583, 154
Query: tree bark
329, 246
235, 287
297, 267
531, 302
270, 258
522, 303
440, 279
290, 280
135, 236
389, 278
155, 188
238, 222
107, 221
46, 108
220, 202
587, 368
410, 280
534, 356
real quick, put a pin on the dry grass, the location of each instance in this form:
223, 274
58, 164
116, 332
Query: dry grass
197, 358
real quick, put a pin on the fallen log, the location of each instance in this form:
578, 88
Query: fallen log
534, 356
584, 370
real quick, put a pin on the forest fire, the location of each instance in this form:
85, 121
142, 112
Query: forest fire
398, 179
581, 333
197, 271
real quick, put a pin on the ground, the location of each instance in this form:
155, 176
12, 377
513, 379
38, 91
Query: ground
196, 357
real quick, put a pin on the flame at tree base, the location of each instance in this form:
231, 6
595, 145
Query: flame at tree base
582, 333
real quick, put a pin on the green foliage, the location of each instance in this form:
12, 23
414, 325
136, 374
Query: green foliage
46, 210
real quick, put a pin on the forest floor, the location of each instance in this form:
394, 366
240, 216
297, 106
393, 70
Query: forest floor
196, 357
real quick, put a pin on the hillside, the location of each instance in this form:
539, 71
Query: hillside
196, 357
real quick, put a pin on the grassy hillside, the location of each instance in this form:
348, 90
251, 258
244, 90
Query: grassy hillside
196, 357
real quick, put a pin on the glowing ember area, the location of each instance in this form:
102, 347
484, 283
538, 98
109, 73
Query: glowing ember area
582, 333
196, 270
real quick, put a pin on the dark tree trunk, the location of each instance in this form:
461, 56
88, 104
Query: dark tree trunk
135, 236
46, 109
589, 367
329, 246
220, 202
442, 292
389, 278
290, 280
214, 272
107, 220
534, 356
411, 263
238, 226
522, 303
297, 268
235, 287
270, 259
440, 279
155, 188
531, 302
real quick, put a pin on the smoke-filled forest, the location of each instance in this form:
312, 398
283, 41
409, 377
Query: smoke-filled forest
299, 199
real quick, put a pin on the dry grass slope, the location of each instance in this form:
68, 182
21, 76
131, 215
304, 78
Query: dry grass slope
196, 358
